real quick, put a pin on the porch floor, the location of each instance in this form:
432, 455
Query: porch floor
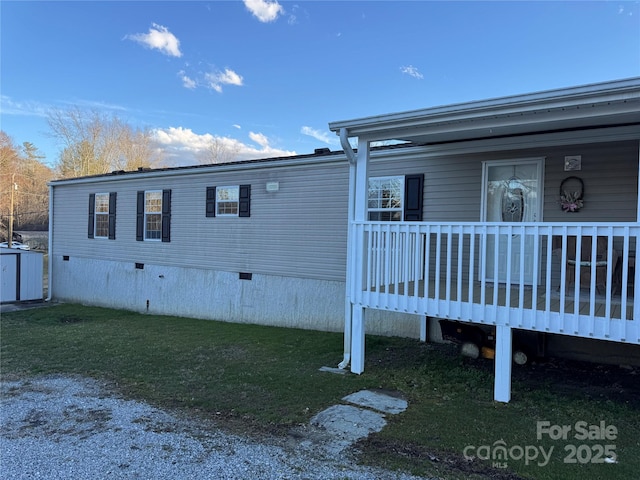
518, 297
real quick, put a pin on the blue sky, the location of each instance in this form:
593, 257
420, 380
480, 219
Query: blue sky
267, 77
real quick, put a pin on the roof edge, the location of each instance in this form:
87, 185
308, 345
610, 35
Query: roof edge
596, 92
293, 160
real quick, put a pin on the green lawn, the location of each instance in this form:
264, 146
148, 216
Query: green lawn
253, 380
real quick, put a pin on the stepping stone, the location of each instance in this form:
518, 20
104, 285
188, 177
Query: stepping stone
377, 401
349, 423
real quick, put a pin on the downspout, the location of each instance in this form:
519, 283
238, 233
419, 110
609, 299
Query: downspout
50, 245
351, 157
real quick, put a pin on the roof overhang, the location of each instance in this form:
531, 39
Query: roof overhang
600, 105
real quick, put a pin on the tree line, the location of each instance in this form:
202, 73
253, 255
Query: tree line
23, 186
92, 143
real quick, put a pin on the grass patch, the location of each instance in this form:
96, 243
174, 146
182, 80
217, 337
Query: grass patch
255, 379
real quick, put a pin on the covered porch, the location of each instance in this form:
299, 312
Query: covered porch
573, 277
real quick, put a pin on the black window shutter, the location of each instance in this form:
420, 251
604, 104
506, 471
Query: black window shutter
166, 215
244, 205
92, 209
211, 202
413, 187
140, 217
112, 216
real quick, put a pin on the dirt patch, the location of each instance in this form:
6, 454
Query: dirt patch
446, 463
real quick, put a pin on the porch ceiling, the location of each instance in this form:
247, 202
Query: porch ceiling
591, 106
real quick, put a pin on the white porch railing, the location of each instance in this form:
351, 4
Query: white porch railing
518, 275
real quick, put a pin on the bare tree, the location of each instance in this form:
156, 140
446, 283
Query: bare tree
219, 150
137, 150
94, 143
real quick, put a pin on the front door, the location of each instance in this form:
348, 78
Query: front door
512, 192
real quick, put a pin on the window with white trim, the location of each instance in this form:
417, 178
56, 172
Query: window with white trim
385, 199
101, 216
153, 215
227, 201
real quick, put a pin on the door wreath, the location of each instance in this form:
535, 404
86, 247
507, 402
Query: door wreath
572, 200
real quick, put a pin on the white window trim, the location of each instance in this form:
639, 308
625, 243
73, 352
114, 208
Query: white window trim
236, 201
96, 214
399, 209
145, 238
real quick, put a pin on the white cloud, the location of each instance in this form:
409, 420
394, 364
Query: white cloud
216, 80
28, 108
182, 139
412, 71
9, 106
160, 38
260, 139
95, 105
230, 77
264, 10
182, 146
187, 82
235, 125
319, 135
292, 14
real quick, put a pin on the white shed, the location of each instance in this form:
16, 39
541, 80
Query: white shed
20, 275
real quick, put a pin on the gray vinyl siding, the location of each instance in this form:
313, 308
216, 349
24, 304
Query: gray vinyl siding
610, 176
298, 231
453, 183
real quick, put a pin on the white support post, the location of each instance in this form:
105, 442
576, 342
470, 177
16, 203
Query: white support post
356, 250
348, 307
502, 387
424, 325
357, 339
362, 182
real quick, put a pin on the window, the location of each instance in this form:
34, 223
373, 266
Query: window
394, 199
385, 199
154, 215
102, 215
229, 201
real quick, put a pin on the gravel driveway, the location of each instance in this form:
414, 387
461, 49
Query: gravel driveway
75, 428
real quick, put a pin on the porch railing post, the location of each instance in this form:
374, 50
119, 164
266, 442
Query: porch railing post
502, 387
357, 339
